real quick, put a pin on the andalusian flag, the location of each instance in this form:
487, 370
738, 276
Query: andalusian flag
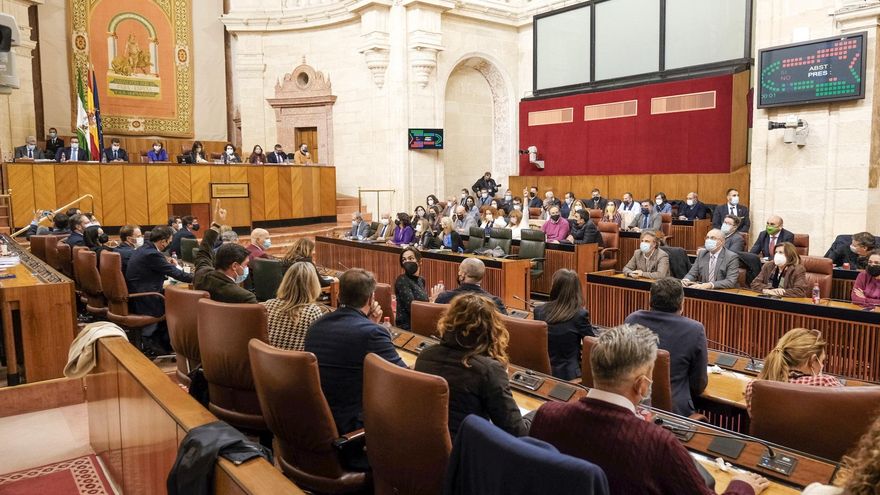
82, 117
96, 131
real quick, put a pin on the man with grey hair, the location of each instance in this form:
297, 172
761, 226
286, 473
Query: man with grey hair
359, 228
605, 428
470, 275
463, 221
716, 266
260, 242
29, 151
385, 230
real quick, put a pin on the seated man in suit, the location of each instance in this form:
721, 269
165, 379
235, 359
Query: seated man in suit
463, 221
567, 204
647, 219
185, 231
732, 238
606, 428
72, 153
221, 273
534, 200
53, 143
856, 253
682, 337
146, 272
649, 260
359, 228
277, 156
130, 238
732, 207
385, 230
596, 201
342, 339
115, 153
772, 236
29, 150
77, 225
716, 267
693, 208
470, 275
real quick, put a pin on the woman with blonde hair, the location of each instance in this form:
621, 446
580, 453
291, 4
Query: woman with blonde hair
611, 215
301, 250
577, 205
799, 357
472, 357
784, 275
295, 307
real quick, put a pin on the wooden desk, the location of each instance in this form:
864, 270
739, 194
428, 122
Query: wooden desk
808, 469
842, 283
508, 279
689, 234
627, 245
39, 318
142, 194
738, 318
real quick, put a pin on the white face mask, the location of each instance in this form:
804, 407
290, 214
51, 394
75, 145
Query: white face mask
779, 259
74, 145
31, 147
138, 241
734, 200
690, 202
485, 195
517, 207
507, 197
384, 221
726, 228
157, 148
418, 229
115, 147
229, 151
430, 202
354, 222
658, 201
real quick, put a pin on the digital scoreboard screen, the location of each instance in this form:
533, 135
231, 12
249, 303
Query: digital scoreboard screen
426, 139
831, 69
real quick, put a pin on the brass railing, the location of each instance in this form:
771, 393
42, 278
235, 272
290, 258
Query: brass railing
55, 212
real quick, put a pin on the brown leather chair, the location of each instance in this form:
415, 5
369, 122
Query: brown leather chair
665, 225
610, 233
824, 421
116, 292
224, 332
181, 315
528, 344
406, 417
85, 267
52, 252
595, 215
819, 270
383, 297
288, 386
39, 243
424, 317
661, 392
535, 213
64, 259
802, 244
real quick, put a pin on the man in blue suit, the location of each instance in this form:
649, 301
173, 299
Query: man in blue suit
78, 225
772, 236
682, 337
342, 339
115, 153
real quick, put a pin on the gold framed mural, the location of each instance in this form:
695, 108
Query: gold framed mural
141, 54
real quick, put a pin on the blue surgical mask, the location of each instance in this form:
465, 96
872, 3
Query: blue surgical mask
267, 243
711, 244
645, 246
244, 275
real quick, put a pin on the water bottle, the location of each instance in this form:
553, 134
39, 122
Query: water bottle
817, 294
386, 322
174, 257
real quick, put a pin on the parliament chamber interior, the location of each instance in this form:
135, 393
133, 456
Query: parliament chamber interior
434, 247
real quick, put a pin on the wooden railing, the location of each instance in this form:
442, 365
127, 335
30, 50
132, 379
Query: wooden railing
138, 417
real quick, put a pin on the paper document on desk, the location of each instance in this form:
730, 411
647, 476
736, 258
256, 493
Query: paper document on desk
524, 411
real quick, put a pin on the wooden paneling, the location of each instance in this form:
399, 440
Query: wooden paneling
312, 181
44, 189
298, 191
200, 180
103, 406
258, 201
270, 192
238, 212
179, 185
157, 194
328, 191
675, 186
637, 185
66, 184
285, 192
89, 182
583, 185
219, 173
559, 184
135, 188
113, 197
238, 173
20, 179
518, 183
739, 121
39, 396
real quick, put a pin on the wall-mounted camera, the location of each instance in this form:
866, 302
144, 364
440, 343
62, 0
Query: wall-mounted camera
9, 37
795, 130
532, 151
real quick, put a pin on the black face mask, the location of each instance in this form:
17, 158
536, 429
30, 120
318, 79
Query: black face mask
461, 216
410, 267
646, 211
873, 270
195, 227
554, 217
532, 195
397, 222
104, 239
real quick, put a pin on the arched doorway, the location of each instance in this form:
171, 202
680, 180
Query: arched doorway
477, 124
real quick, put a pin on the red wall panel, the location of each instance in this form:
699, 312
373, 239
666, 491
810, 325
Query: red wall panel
685, 142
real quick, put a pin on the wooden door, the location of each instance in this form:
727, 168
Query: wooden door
309, 136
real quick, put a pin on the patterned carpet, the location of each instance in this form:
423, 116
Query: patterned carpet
79, 476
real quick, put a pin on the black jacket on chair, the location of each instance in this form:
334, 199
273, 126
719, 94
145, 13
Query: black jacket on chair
586, 233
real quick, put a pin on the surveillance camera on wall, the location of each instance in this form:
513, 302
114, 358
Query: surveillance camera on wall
795, 130
533, 157
9, 37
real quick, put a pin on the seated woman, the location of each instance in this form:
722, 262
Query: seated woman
196, 154
97, 241
301, 251
472, 357
158, 153
257, 156
611, 215
419, 213
732, 239
583, 230
492, 219
516, 223
470, 206
866, 290
295, 307
784, 275
449, 237
798, 357
435, 215
229, 155
661, 205
568, 322
409, 287
424, 237
403, 232
577, 205
648, 261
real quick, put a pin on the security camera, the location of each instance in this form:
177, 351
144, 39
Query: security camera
794, 130
9, 37
533, 157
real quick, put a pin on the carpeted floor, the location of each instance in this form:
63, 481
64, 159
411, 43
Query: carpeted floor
79, 476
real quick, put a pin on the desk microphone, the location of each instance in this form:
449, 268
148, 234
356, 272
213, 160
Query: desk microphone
343, 265
677, 429
528, 303
752, 365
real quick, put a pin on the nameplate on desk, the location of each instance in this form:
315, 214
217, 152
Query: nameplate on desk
725, 360
526, 381
518, 314
230, 190
781, 463
728, 447
562, 392
755, 366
